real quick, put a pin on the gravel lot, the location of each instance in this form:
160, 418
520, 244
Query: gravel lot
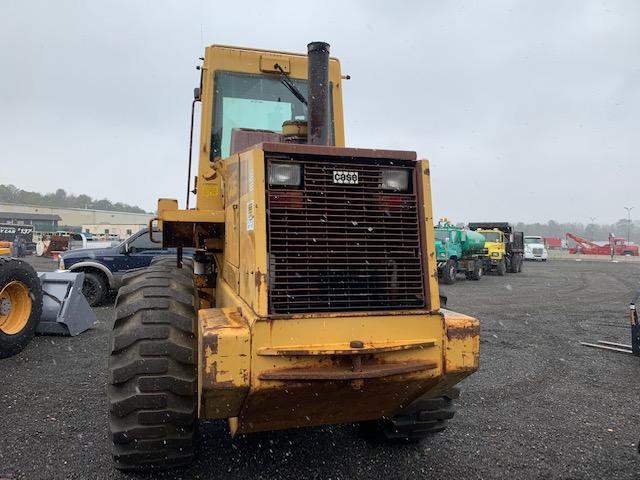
542, 406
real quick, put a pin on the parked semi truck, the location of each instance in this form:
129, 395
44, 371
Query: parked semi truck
535, 249
458, 250
504, 246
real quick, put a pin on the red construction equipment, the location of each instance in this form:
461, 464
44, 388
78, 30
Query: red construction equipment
587, 247
553, 243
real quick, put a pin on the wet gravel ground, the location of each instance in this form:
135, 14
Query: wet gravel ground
542, 406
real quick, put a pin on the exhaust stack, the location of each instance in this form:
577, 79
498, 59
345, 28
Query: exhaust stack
318, 102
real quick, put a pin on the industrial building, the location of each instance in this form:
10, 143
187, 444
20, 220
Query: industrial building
110, 230
57, 218
46, 222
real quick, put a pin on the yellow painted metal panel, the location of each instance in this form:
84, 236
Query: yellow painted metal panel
424, 176
248, 228
245, 60
268, 63
301, 389
194, 216
232, 210
371, 330
224, 356
253, 237
462, 343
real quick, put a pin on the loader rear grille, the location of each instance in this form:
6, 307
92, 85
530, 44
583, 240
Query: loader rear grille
336, 247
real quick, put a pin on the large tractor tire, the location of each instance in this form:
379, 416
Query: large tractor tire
501, 268
449, 272
478, 270
516, 264
172, 261
419, 420
20, 305
153, 369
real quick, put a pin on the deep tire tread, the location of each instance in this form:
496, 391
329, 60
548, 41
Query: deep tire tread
422, 418
152, 369
14, 269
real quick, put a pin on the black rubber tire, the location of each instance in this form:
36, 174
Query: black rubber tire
172, 260
520, 264
12, 269
152, 386
501, 268
94, 288
422, 418
449, 272
478, 271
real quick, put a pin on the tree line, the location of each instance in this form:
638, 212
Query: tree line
62, 199
590, 231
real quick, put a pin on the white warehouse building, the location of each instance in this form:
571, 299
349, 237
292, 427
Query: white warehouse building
76, 217
111, 230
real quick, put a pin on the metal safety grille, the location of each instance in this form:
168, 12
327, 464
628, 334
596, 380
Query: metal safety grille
341, 247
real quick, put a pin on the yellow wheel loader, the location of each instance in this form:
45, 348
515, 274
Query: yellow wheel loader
312, 297
49, 303
20, 305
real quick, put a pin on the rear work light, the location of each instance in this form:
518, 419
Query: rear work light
284, 174
396, 180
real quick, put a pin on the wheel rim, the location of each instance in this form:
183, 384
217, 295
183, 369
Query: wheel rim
15, 307
89, 290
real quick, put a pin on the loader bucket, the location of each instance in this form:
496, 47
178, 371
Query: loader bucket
65, 311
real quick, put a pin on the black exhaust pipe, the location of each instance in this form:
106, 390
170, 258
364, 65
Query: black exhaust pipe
318, 102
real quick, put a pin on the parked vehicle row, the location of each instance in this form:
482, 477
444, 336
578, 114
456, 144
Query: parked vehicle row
476, 249
105, 267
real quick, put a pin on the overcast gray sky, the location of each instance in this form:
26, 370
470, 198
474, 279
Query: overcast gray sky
526, 109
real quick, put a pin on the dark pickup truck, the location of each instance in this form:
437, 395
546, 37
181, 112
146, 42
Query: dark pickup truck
104, 267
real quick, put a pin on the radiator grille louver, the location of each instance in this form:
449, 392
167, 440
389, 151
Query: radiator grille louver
335, 247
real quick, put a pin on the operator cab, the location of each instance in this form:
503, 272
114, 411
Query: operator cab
249, 95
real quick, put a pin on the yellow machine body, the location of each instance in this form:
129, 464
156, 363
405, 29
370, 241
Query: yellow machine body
264, 370
496, 250
5, 248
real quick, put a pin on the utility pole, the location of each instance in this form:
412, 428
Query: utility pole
628, 209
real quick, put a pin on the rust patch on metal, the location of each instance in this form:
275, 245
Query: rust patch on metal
339, 350
211, 373
366, 313
260, 279
462, 332
210, 343
427, 172
347, 372
295, 148
237, 320
304, 403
